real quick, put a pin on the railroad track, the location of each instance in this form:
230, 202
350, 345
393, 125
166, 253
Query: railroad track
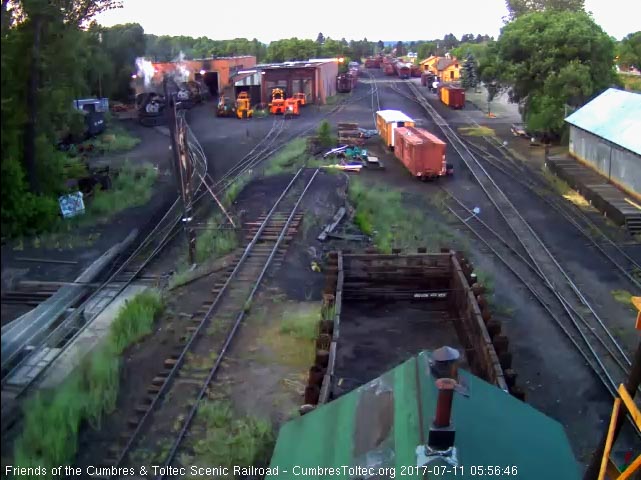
21, 370
519, 173
271, 144
212, 329
581, 322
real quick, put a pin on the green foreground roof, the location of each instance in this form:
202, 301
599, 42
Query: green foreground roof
380, 424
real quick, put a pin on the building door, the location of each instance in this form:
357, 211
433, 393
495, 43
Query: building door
211, 82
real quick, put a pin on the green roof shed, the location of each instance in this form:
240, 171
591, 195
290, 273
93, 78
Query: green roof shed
380, 430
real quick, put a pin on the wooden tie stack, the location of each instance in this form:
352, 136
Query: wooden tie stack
349, 134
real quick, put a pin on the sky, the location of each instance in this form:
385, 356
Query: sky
405, 20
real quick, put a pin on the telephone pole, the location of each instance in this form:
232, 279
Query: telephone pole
182, 169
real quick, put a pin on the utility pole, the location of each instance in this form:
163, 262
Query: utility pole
182, 169
32, 106
100, 72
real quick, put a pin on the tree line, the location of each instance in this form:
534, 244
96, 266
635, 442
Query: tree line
52, 52
550, 58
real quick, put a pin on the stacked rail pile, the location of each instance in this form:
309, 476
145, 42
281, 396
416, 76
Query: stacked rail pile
349, 134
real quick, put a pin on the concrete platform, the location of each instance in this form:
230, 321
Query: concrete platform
90, 338
603, 195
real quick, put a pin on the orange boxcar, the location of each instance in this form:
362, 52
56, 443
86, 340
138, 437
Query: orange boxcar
421, 152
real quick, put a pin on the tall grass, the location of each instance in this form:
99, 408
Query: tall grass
114, 139
479, 131
293, 338
215, 242
392, 221
52, 420
289, 158
135, 320
132, 187
229, 439
236, 187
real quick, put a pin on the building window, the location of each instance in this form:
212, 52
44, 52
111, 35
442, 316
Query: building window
452, 75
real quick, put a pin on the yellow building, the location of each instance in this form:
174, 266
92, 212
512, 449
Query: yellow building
447, 69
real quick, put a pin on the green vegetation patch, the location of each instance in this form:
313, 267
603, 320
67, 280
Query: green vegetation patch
115, 139
229, 439
135, 320
382, 214
215, 241
622, 296
234, 189
52, 420
289, 159
479, 131
293, 338
630, 82
335, 99
132, 187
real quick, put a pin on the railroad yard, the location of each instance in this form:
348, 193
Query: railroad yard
292, 246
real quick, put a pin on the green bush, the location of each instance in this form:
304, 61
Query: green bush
135, 320
132, 187
325, 136
52, 420
215, 242
231, 440
382, 214
23, 213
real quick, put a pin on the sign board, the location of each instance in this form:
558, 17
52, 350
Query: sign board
71, 205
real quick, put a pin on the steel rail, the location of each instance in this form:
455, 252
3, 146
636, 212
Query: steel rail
607, 384
449, 132
531, 267
569, 212
169, 221
205, 320
241, 315
610, 385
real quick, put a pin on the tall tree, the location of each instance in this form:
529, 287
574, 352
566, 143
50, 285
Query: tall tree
400, 49
320, 39
425, 50
517, 8
123, 43
543, 77
469, 75
450, 41
380, 45
39, 15
629, 50
467, 38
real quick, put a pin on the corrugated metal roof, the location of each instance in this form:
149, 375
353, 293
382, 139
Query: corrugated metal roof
393, 116
382, 423
615, 115
247, 79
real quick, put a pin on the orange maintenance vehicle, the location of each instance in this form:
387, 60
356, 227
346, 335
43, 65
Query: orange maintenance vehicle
291, 105
277, 106
301, 98
243, 106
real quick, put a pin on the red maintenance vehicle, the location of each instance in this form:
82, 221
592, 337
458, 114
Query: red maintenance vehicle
422, 153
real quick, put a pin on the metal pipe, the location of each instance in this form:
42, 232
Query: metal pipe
444, 402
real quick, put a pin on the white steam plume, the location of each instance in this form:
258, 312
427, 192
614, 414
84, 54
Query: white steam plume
145, 70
